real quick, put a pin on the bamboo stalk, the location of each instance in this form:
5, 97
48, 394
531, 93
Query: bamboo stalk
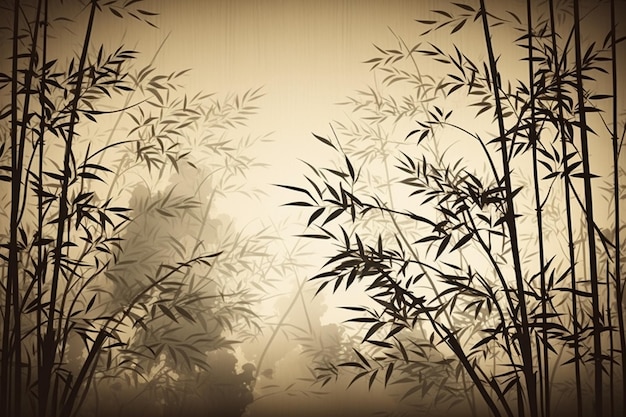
593, 272
619, 290
533, 136
13, 266
609, 325
41, 263
540, 373
568, 214
17, 302
522, 327
16, 209
49, 340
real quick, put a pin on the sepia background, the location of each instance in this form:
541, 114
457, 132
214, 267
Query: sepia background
267, 76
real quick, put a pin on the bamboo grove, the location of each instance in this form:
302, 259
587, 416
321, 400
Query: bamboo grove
488, 236
472, 197
112, 298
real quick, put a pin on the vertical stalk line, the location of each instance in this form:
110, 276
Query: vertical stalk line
294, 300
50, 342
568, 212
298, 295
28, 78
523, 327
609, 325
12, 270
17, 156
540, 373
534, 138
41, 259
619, 291
593, 268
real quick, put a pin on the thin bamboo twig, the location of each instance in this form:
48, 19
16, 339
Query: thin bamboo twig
450, 339
609, 326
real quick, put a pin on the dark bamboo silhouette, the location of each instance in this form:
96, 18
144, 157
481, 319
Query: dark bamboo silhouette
591, 241
609, 324
40, 276
522, 326
12, 271
619, 289
539, 320
533, 136
49, 348
63, 241
18, 147
568, 212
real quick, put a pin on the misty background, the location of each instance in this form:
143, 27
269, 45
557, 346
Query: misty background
288, 70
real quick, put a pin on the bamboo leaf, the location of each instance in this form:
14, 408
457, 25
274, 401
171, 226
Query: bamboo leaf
373, 329
167, 312
388, 373
324, 141
458, 26
185, 313
372, 379
362, 358
462, 241
315, 215
442, 246
464, 7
